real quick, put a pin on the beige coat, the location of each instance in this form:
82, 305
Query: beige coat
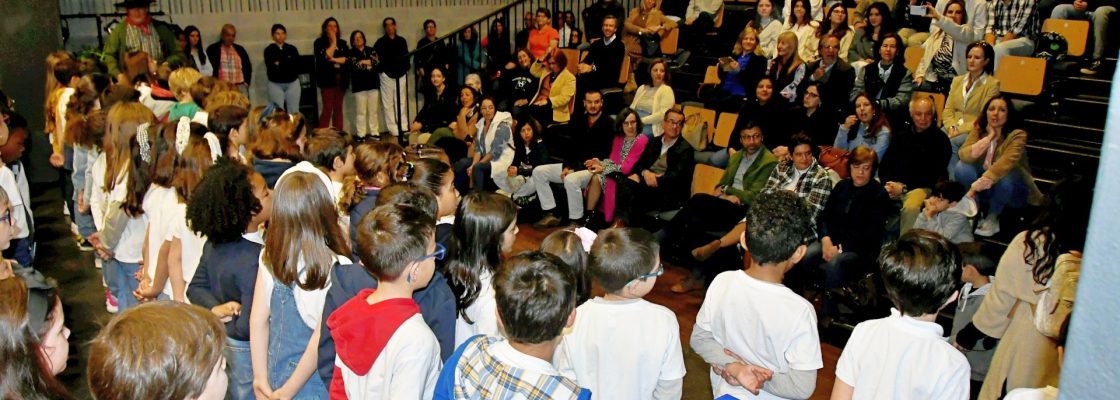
1024, 358
1011, 155
962, 114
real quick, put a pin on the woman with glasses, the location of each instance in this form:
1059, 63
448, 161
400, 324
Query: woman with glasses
627, 149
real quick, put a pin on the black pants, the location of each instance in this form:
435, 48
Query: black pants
703, 219
696, 33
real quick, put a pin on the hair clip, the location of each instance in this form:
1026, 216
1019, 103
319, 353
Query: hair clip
408, 171
215, 145
268, 110
142, 140
182, 134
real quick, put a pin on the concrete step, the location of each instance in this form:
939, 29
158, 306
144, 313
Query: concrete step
1064, 128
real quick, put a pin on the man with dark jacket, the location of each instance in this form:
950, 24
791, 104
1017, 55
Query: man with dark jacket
231, 62
835, 76
603, 64
663, 180
393, 51
590, 136
915, 162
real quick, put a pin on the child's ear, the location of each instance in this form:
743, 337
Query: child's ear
798, 254
571, 319
234, 135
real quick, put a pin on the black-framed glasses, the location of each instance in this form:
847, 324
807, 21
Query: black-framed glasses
656, 273
440, 252
677, 123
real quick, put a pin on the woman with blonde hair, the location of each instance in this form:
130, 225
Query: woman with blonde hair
739, 74
787, 68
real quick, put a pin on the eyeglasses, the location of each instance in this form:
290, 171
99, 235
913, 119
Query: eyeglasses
7, 217
656, 273
677, 123
438, 254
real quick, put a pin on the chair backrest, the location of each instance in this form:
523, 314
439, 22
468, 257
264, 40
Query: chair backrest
573, 60
725, 129
669, 42
1021, 75
914, 57
1076, 33
711, 75
706, 115
938, 102
705, 178
624, 75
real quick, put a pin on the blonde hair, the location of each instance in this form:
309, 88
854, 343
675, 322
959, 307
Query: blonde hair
795, 57
738, 49
130, 360
182, 79
219, 97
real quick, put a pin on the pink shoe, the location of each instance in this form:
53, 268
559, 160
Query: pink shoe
110, 303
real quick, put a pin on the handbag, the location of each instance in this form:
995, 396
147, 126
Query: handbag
1055, 302
696, 132
835, 159
651, 45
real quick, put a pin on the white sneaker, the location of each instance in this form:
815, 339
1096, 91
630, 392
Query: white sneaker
97, 264
110, 303
989, 226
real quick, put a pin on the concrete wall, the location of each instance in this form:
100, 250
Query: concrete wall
1092, 364
28, 32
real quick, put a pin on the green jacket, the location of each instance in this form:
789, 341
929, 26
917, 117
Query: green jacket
115, 49
754, 179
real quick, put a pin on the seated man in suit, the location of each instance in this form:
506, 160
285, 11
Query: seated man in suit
663, 177
746, 175
834, 75
603, 64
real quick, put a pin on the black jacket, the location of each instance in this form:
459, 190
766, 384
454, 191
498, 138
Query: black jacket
518, 84
282, 64
227, 272
835, 87
586, 142
439, 109
593, 17
326, 74
916, 159
363, 78
753, 72
214, 56
855, 217
771, 118
394, 55
607, 60
675, 186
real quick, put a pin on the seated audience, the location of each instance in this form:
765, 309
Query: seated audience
610, 174
758, 335
886, 80
1098, 17
590, 139
906, 352
535, 297
912, 164
542, 39
439, 106
787, 69
948, 212
835, 76
620, 345
737, 73
529, 151
877, 23
813, 117
646, 25
602, 65
518, 85
1013, 27
868, 127
945, 50
913, 29
994, 164
836, 25
801, 23
595, 14
768, 23
699, 19
967, 96
557, 88
662, 178
455, 139
493, 148
653, 99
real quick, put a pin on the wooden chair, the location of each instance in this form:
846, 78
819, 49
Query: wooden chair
669, 43
705, 178
711, 78
1021, 75
938, 102
725, 129
707, 115
914, 57
573, 60
1076, 33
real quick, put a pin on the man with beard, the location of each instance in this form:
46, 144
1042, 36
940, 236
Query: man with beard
590, 139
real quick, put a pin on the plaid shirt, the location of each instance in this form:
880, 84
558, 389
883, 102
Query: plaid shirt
474, 373
230, 68
1019, 17
814, 188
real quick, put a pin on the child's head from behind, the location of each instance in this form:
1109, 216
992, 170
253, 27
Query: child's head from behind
378, 163
623, 259
569, 247
230, 197
945, 195
778, 223
975, 264
921, 271
438, 177
536, 297
231, 122
12, 150
485, 228
303, 226
180, 360
398, 240
181, 81
330, 149
409, 194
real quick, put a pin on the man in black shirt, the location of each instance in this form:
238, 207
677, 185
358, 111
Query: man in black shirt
594, 15
393, 51
591, 134
603, 65
915, 161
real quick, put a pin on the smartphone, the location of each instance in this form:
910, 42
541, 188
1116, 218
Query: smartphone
725, 60
918, 10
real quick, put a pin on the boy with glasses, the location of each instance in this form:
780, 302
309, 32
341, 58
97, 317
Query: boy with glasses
621, 346
384, 349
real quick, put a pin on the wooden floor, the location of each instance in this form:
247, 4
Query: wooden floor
696, 383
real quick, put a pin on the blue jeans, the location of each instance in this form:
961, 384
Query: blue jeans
285, 95
480, 176
955, 143
121, 278
239, 362
718, 158
1011, 190
287, 339
1098, 18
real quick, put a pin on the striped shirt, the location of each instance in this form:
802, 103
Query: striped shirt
1018, 17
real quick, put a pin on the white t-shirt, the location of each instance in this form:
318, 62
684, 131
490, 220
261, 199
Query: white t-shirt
15, 201
899, 357
129, 247
190, 242
158, 204
308, 302
621, 349
766, 324
407, 367
483, 312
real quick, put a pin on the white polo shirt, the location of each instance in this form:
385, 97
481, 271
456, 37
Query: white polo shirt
899, 357
764, 323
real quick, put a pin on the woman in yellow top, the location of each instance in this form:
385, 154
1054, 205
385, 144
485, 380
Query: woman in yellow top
993, 160
967, 95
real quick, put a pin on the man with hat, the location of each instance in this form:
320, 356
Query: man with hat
138, 32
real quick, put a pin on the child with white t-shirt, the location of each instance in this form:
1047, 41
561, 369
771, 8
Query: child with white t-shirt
384, 348
485, 228
759, 336
13, 180
621, 346
304, 242
904, 355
